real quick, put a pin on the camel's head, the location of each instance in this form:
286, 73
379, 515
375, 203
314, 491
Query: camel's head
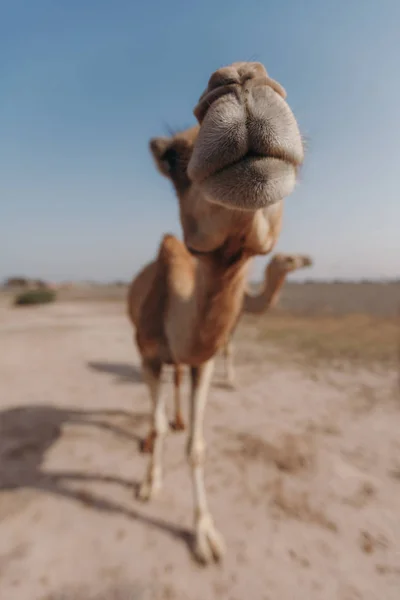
282, 264
249, 147
242, 157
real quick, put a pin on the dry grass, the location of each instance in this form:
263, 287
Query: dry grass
355, 338
335, 323
338, 299
76, 293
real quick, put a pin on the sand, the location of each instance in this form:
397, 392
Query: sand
303, 474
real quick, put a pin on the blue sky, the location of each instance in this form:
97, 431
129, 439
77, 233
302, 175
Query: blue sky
85, 84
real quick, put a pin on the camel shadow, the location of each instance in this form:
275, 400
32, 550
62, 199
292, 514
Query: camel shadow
28, 432
127, 373
124, 372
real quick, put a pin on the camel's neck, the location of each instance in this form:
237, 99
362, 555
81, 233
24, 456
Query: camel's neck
204, 304
221, 303
267, 298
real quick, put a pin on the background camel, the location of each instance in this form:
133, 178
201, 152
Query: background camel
275, 274
230, 175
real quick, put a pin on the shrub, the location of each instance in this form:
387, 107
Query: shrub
35, 297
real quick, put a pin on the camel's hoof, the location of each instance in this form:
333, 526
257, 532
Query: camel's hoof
177, 425
209, 543
146, 445
148, 490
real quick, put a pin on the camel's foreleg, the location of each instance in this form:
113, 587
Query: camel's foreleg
153, 479
208, 542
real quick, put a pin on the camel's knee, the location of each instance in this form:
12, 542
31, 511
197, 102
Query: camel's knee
195, 452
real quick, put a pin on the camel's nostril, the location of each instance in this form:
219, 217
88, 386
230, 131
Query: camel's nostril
222, 81
224, 76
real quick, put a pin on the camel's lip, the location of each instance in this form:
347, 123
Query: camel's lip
254, 156
252, 182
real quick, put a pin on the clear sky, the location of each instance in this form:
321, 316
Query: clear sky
84, 84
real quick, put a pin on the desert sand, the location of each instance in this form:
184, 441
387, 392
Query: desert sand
303, 473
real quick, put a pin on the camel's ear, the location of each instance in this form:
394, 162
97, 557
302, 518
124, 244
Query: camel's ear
163, 154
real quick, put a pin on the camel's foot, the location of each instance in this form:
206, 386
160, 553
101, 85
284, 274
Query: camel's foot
209, 544
177, 424
149, 489
146, 445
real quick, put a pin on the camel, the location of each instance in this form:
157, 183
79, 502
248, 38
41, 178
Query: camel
275, 274
231, 173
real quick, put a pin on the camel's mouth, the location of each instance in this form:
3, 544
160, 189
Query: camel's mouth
258, 179
194, 252
255, 160
246, 151
249, 146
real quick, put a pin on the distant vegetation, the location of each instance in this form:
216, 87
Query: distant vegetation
31, 297
25, 282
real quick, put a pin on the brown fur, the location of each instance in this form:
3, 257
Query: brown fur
217, 306
150, 331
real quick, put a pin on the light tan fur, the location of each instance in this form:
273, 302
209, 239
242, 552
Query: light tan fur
230, 174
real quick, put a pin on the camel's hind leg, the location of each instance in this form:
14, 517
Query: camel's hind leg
153, 479
228, 363
178, 423
208, 542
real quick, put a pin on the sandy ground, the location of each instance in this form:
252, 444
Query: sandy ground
303, 474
